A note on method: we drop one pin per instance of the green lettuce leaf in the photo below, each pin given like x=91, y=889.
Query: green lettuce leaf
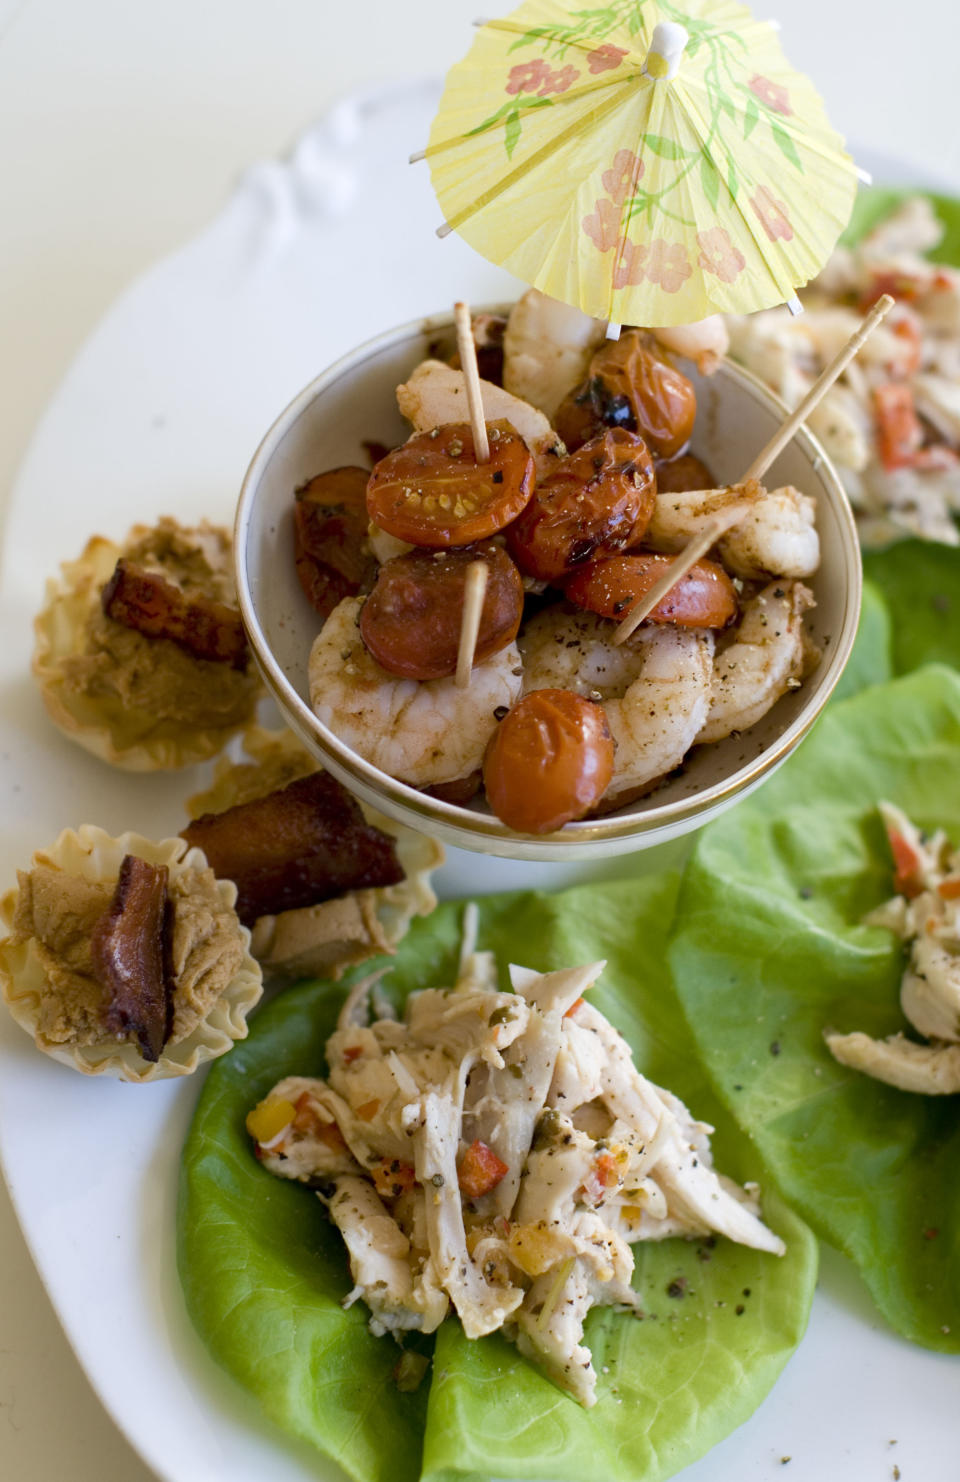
x=920, y=582
x=263, y=1272
x=870, y=661
x=875, y=202
x=768, y=949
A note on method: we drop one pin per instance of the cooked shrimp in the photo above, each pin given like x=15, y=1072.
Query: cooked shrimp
x=422, y=733
x=547, y=348
x=776, y=537
x=705, y=343
x=655, y=688
x=768, y=656
x=436, y=393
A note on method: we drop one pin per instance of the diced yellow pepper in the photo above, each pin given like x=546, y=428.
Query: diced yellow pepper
x=535, y=1248
x=268, y=1119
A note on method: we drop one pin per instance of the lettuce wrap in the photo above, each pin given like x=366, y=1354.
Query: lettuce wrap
x=920, y=583
x=769, y=948
x=264, y=1272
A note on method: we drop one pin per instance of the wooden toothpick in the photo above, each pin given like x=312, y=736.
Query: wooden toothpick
x=731, y=516
x=471, y=375
x=473, y=594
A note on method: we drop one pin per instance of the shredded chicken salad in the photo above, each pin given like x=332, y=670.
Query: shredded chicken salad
x=497, y=1153
x=925, y=913
x=891, y=424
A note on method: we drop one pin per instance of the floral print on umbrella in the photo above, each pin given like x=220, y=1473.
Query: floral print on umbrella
x=661, y=262
x=540, y=78
x=605, y=58
x=774, y=94
x=628, y=268
x=602, y=226
x=667, y=265
x=719, y=256
x=623, y=176
x=773, y=214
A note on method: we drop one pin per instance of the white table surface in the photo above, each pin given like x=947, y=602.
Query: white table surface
x=122, y=128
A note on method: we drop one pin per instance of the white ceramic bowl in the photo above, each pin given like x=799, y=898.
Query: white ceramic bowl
x=354, y=401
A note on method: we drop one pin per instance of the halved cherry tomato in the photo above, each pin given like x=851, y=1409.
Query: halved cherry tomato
x=899, y=434
x=432, y=491
x=479, y=1170
x=598, y=500
x=330, y=530
x=411, y=620
x=628, y=386
x=549, y=761
x=678, y=475
x=704, y=598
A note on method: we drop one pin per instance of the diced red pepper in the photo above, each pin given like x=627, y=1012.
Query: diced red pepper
x=307, y=1120
x=331, y=1137
x=907, y=329
x=368, y=1111
x=949, y=889
x=351, y=1053
x=573, y=1007
x=899, y=434
x=479, y=1170
x=307, y=1117
x=604, y=1175
x=391, y=1178
x=606, y=1170
x=907, y=862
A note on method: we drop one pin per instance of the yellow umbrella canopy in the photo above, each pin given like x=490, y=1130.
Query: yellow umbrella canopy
x=647, y=163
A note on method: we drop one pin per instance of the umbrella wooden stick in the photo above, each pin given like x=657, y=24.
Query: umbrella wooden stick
x=476, y=586
x=731, y=516
x=468, y=364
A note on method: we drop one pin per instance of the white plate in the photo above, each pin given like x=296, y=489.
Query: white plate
x=160, y=413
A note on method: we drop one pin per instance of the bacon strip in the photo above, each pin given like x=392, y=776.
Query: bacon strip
x=296, y=847
x=146, y=601
x=130, y=959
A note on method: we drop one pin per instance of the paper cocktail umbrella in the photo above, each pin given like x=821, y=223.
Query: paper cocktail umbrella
x=648, y=163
